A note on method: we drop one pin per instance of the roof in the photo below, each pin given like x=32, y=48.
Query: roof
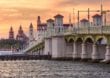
x=96, y=15
x=58, y=16
x=84, y=20
x=50, y=20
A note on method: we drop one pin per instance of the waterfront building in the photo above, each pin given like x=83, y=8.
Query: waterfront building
x=57, y=22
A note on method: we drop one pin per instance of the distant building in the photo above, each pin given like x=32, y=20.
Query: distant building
x=11, y=33
x=31, y=33
x=21, y=35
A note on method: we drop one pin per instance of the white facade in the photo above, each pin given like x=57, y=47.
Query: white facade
x=58, y=20
x=58, y=47
x=48, y=46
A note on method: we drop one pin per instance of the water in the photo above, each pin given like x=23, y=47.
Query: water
x=53, y=69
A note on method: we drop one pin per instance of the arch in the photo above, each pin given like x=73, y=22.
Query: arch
x=89, y=47
x=101, y=42
x=89, y=40
x=100, y=38
x=70, y=39
x=69, y=47
x=79, y=39
x=88, y=37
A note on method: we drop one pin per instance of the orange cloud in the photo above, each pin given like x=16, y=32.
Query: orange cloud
x=16, y=12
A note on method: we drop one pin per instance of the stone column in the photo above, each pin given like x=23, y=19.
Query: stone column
x=48, y=46
x=58, y=47
x=95, y=53
x=75, y=53
x=107, y=55
x=84, y=54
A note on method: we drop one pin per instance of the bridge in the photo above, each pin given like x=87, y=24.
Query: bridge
x=92, y=42
x=86, y=40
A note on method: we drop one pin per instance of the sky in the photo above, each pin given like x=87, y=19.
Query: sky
x=23, y=12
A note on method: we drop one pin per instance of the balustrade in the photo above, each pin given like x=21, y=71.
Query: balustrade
x=57, y=31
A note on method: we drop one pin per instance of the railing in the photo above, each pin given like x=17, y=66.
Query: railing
x=31, y=45
x=57, y=31
x=60, y=31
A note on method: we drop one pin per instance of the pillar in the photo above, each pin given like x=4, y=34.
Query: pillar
x=75, y=53
x=107, y=55
x=95, y=53
x=48, y=46
x=58, y=47
x=84, y=54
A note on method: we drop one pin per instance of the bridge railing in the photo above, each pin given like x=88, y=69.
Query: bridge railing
x=57, y=31
x=60, y=31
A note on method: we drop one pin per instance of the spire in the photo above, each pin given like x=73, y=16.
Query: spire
x=31, y=33
x=11, y=29
x=20, y=30
x=11, y=33
x=38, y=20
x=31, y=26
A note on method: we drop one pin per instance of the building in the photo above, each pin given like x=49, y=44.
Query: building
x=21, y=35
x=57, y=22
x=31, y=33
x=11, y=33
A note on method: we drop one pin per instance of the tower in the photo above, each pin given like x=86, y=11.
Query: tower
x=50, y=23
x=58, y=20
x=38, y=21
x=31, y=33
x=11, y=33
x=84, y=22
x=97, y=20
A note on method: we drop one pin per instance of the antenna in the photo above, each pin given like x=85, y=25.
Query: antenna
x=70, y=19
x=73, y=17
x=101, y=10
x=78, y=18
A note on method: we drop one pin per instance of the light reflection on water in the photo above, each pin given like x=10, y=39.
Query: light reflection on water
x=52, y=69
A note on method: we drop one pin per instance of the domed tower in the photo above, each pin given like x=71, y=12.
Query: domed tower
x=97, y=20
x=31, y=33
x=84, y=22
x=58, y=20
x=11, y=33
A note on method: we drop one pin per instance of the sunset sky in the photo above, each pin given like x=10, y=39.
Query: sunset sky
x=16, y=12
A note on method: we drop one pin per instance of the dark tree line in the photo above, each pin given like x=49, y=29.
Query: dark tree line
x=8, y=44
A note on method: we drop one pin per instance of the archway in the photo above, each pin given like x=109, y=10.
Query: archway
x=69, y=48
x=89, y=47
x=101, y=47
x=78, y=45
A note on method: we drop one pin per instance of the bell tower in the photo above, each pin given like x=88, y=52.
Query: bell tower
x=31, y=33
x=11, y=33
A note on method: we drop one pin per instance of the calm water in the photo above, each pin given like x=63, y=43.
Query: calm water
x=52, y=69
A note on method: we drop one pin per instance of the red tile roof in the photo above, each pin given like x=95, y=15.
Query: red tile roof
x=96, y=15
x=58, y=16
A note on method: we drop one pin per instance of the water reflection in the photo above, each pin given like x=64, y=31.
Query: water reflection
x=52, y=69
